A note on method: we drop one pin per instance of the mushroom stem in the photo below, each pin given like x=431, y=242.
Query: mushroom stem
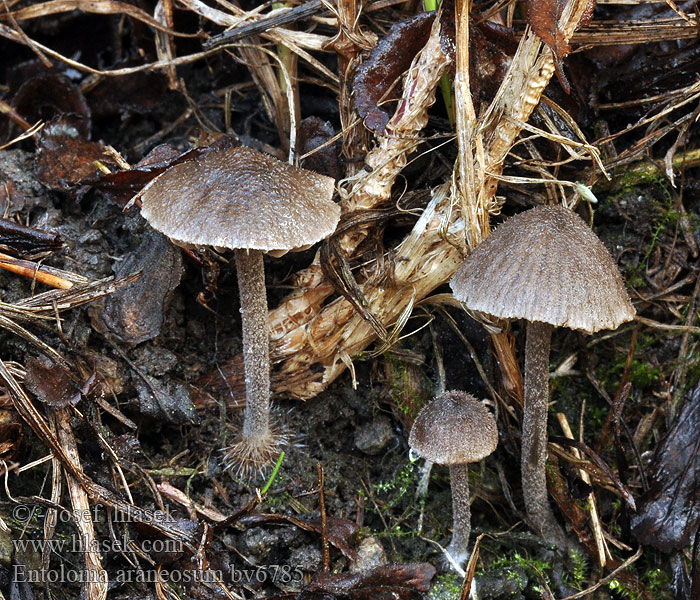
x=256, y=344
x=534, y=440
x=461, y=513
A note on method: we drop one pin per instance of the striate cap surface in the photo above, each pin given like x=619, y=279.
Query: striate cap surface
x=547, y=265
x=243, y=199
x=455, y=428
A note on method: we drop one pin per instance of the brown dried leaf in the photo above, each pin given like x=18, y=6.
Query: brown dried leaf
x=120, y=187
x=51, y=384
x=391, y=582
x=11, y=432
x=64, y=158
x=386, y=63
x=339, y=530
x=50, y=94
x=314, y=133
x=491, y=48
x=544, y=17
x=144, y=92
x=134, y=314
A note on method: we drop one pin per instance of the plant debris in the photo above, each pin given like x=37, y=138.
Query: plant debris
x=121, y=386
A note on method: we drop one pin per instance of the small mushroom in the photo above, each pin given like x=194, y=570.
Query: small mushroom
x=250, y=202
x=455, y=429
x=546, y=266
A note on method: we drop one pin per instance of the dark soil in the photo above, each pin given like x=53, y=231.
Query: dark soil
x=151, y=342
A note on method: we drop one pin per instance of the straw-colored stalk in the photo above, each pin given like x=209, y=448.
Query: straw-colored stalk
x=424, y=260
x=96, y=580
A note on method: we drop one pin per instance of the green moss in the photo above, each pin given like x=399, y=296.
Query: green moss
x=446, y=587
x=533, y=567
x=619, y=588
x=628, y=180
x=654, y=583
x=395, y=490
x=668, y=219
x=633, y=277
x=578, y=573
x=643, y=375
x=658, y=583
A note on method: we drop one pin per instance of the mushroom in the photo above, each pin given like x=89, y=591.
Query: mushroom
x=544, y=265
x=250, y=202
x=455, y=429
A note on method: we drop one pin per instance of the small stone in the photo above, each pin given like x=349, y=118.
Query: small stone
x=369, y=554
x=373, y=437
x=307, y=558
x=258, y=542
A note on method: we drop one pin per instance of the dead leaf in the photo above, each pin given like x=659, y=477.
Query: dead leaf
x=389, y=59
x=50, y=94
x=64, y=157
x=51, y=384
x=545, y=17
x=670, y=511
x=121, y=186
x=391, y=582
x=314, y=135
x=134, y=314
x=339, y=530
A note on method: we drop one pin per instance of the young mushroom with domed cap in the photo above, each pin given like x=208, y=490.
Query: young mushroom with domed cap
x=250, y=202
x=546, y=266
x=455, y=429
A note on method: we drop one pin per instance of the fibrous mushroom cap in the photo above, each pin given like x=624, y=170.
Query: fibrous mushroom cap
x=545, y=264
x=454, y=429
x=240, y=198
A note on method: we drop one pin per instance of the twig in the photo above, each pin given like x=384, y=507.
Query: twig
x=95, y=582
x=282, y=16
x=14, y=116
x=471, y=569
x=36, y=271
x=601, y=546
x=324, y=520
x=667, y=326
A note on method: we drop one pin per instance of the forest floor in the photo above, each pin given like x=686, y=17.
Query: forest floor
x=120, y=394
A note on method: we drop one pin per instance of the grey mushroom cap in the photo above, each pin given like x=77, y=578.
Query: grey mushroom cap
x=241, y=199
x=455, y=428
x=547, y=265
